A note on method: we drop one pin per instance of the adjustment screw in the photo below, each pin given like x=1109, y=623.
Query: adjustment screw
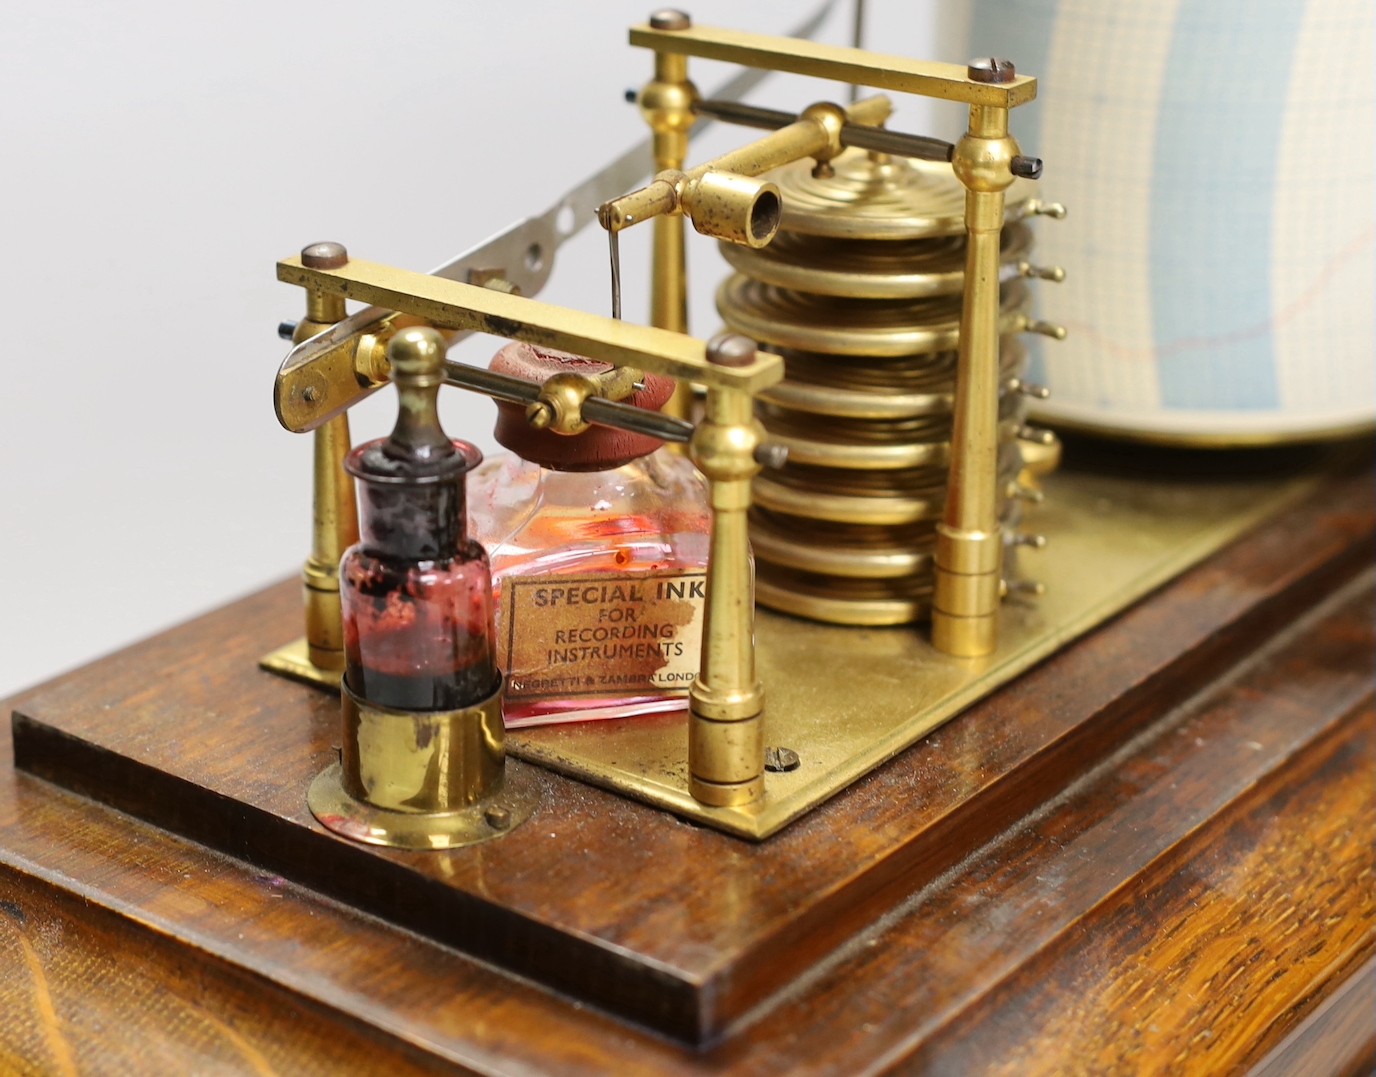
x=990, y=69
x=539, y=414
x=498, y=818
x=324, y=256
x=731, y=350
x=668, y=18
x=1026, y=167
x=632, y=96
x=286, y=330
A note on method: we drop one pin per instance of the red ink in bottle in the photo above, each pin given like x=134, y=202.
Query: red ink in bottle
x=416, y=591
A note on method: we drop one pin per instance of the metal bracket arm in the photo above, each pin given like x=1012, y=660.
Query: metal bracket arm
x=949, y=82
x=448, y=304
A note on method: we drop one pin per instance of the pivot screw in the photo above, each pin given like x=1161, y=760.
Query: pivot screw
x=539, y=414
x=286, y=330
x=1026, y=167
x=324, y=256
x=730, y=350
x=990, y=69
x=670, y=19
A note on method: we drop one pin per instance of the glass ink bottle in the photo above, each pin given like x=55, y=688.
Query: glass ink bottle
x=598, y=543
x=416, y=591
x=422, y=757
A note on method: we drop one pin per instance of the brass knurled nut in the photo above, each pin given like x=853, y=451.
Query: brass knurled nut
x=324, y=626
x=725, y=752
x=961, y=595
x=969, y=552
x=733, y=705
x=965, y=637
x=726, y=796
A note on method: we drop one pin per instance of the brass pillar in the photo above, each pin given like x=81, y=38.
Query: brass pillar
x=726, y=702
x=334, y=523
x=969, y=549
x=667, y=105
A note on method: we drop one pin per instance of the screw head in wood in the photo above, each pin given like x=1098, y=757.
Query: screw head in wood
x=498, y=818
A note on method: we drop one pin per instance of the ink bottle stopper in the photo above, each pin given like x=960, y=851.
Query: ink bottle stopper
x=422, y=759
x=599, y=544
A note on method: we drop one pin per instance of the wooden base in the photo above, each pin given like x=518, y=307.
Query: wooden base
x=1153, y=850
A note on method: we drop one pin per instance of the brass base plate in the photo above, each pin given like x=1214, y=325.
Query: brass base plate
x=847, y=699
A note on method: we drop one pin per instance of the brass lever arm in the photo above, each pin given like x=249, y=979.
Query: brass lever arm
x=721, y=197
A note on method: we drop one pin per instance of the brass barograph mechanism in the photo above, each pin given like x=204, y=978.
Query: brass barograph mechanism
x=735, y=199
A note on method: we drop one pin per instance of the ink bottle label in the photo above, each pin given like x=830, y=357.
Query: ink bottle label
x=602, y=636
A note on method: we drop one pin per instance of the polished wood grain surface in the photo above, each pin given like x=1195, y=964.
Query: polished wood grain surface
x=81, y=995
x=1169, y=865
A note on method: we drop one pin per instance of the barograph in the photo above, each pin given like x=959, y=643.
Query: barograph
x=759, y=644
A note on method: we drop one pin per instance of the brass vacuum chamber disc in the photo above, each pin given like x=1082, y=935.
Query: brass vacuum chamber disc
x=862, y=603
x=865, y=553
x=815, y=450
x=854, y=327
x=853, y=551
x=863, y=269
x=813, y=504
x=858, y=404
x=884, y=389
x=878, y=197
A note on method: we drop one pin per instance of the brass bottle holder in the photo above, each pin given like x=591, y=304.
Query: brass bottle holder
x=416, y=778
x=422, y=779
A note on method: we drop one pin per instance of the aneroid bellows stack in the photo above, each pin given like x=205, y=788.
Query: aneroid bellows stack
x=860, y=292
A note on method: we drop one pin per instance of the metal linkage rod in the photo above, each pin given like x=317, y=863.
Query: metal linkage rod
x=852, y=134
x=595, y=409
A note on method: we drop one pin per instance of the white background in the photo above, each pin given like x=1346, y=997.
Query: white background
x=160, y=156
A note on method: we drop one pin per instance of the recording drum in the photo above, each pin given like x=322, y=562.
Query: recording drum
x=1218, y=164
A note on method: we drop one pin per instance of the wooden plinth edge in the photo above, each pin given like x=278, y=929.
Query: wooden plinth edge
x=811, y=900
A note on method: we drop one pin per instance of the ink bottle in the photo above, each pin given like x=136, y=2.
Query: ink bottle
x=422, y=755
x=598, y=544
x=416, y=591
